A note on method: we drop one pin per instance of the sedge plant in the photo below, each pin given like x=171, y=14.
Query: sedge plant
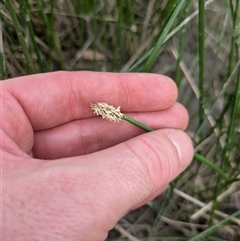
x=196, y=43
x=112, y=113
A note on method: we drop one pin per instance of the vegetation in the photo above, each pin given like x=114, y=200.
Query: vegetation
x=197, y=43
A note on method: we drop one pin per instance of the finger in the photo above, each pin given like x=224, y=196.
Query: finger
x=89, y=135
x=126, y=175
x=55, y=98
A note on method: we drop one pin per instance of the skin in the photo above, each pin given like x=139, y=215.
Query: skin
x=70, y=175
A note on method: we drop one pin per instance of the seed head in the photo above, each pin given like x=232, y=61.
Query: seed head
x=107, y=111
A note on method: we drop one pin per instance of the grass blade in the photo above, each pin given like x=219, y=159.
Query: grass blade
x=211, y=165
x=118, y=31
x=235, y=107
x=201, y=34
x=169, y=36
x=2, y=57
x=224, y=89
x=214, y=227
x=164, y=204
x=21, y=39
x=163, y=35
x=25, y=12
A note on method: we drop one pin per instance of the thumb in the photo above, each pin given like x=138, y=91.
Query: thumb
x=73, y=195
x=131, y=173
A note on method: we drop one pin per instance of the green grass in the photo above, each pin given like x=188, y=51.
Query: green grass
x=197, y=43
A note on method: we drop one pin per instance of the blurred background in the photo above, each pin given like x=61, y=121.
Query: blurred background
x=197, y=43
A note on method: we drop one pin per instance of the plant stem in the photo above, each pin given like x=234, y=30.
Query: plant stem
x=211, y=164
x=235, y=107
x=163, y=35
x=214, y=227
x=118, y=32
x=21, y=39
x=196, y=155
x=2, y=57
x=201, y=58
x=137, y=123
x=26, y=16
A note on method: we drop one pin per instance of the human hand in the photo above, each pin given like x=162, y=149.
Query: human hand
x=70, y=175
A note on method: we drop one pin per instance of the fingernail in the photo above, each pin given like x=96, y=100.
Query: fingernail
x=183, y=144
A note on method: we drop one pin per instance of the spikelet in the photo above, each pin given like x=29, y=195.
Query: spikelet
x=107, y=111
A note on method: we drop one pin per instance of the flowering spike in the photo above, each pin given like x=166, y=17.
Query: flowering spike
x=107, y=111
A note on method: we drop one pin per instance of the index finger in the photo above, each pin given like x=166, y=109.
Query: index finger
x=52, y=99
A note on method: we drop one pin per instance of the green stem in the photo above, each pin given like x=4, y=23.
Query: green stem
x=137, y=123
x=235, y=20
x=196, y=155
x=24, y=46
x=201, y=35
x=95, y=31
x=54, y=36
x=210, y=230
x=165, y=203
x=118, y=32
x=169, y=36
x=210, y=164
x=235, y=107
x=162, y=36
x=26, y=15
x=3, y=73
x=222, y=92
